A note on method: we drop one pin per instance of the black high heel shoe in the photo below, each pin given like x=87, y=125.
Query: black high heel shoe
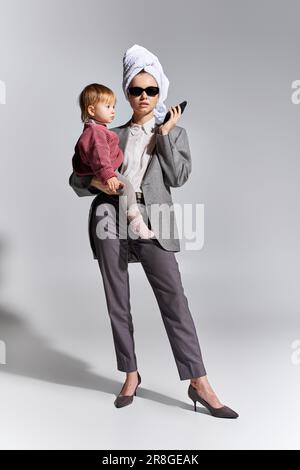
x=124, y=400
x=223, y=412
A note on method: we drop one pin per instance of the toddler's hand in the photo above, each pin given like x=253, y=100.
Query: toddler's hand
x=97, y=183
x=114, y=183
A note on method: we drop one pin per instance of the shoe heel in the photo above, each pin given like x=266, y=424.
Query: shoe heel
x=223, y=412
x=139, y=381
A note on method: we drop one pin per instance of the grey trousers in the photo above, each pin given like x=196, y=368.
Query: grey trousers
x=162, y=271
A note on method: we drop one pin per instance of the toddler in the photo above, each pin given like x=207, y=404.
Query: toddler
x=97, y=152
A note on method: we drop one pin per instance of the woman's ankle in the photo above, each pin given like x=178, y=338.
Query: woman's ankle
x=199, y=380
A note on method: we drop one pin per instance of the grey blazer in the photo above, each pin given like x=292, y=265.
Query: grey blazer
x=169, y=166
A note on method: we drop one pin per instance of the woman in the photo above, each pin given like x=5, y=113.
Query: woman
x=157, y=157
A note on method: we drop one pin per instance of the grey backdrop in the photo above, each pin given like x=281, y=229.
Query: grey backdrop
x=234, y=61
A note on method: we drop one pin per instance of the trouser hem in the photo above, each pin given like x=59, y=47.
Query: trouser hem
x=128, y=367
x=192, y=372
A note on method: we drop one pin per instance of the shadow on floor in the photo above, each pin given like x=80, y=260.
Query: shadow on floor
x=29, y=354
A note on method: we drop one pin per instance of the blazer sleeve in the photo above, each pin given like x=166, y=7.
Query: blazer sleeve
x=174, y=157
x=81, y=185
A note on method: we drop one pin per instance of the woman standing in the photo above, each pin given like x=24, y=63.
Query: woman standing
x=156, y=157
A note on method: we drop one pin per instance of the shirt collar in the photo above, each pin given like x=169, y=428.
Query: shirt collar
x=148, y=126
x=93, y=121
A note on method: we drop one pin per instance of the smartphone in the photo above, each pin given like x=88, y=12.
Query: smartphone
x=168, y=115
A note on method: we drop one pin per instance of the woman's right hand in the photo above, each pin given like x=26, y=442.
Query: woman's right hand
x=96, y=183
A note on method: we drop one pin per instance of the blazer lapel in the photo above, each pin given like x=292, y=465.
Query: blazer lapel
x=123, y=137
x=153, y=156
x=123, y=134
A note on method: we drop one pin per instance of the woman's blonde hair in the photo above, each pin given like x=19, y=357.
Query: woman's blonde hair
x=91, y=95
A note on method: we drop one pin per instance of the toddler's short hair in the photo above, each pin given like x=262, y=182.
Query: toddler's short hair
x=91, y=95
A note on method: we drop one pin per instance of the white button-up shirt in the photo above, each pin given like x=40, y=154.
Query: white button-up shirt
x=138, y=150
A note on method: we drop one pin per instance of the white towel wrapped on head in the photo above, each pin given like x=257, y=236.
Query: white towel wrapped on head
x=137, y=58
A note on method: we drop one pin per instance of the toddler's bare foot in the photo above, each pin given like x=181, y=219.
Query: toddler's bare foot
x=139, y=227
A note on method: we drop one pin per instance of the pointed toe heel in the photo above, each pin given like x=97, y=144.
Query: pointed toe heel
x=223, y=412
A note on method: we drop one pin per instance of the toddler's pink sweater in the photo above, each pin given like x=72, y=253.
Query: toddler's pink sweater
x=97, y=152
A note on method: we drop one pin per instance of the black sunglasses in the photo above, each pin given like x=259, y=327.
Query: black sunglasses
x=137, y=90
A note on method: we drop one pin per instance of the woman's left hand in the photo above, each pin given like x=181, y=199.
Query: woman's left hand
x=175, y=115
